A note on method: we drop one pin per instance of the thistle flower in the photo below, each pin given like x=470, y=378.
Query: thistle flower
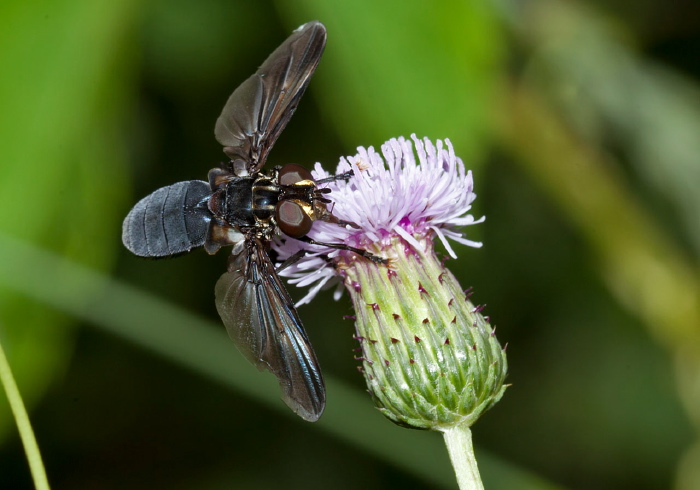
x=429, y=357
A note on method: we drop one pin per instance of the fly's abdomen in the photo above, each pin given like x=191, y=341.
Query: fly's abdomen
x=170, y=221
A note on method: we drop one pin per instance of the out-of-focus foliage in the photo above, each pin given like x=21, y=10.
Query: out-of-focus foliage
x=581, y=120
x=64, y=84
x=614, y=96
x=386, y=53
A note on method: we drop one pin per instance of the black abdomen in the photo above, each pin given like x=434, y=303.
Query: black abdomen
x=170, y=221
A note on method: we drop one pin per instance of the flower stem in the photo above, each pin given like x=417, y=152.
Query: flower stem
x=31, y=448
x=458, y=440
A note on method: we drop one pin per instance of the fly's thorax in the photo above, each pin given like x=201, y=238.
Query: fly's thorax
x=265, y=194
x=287, y=199
x=232, y=202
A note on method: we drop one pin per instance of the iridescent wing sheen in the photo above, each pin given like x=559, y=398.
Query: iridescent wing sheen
x=259, y=109
x=261, y=319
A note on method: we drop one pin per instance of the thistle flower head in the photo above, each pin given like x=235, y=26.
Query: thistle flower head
x=429, y=357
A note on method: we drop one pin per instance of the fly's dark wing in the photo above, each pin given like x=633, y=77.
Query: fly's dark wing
x=259, y=109
x=170, y=221
x=261, y=319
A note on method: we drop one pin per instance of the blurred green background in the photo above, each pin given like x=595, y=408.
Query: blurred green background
x=581, y=121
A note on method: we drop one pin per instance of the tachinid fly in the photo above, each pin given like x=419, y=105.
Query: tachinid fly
x=246, y=208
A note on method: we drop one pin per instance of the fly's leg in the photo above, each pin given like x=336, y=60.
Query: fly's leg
x=340, y=246
x=334, y=178
x=291, y=260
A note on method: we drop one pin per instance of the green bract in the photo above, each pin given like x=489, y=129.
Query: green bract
x=430, y=358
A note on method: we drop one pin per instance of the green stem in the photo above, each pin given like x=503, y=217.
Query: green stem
x=31, y=448
x=458, y=440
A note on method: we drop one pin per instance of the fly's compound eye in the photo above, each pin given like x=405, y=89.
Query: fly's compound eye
x=292, y=219
x=292, y=173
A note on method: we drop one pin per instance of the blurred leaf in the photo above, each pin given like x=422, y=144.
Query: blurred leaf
x=643, y=269
x=606, y=88
x=188, y=46
x=617, y=102
x=61, y=174
x=435, y=72
x=641, y=265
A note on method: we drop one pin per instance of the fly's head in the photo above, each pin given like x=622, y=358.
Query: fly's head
x=301, y=201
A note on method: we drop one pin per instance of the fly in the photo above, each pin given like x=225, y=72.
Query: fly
x=241, y=205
